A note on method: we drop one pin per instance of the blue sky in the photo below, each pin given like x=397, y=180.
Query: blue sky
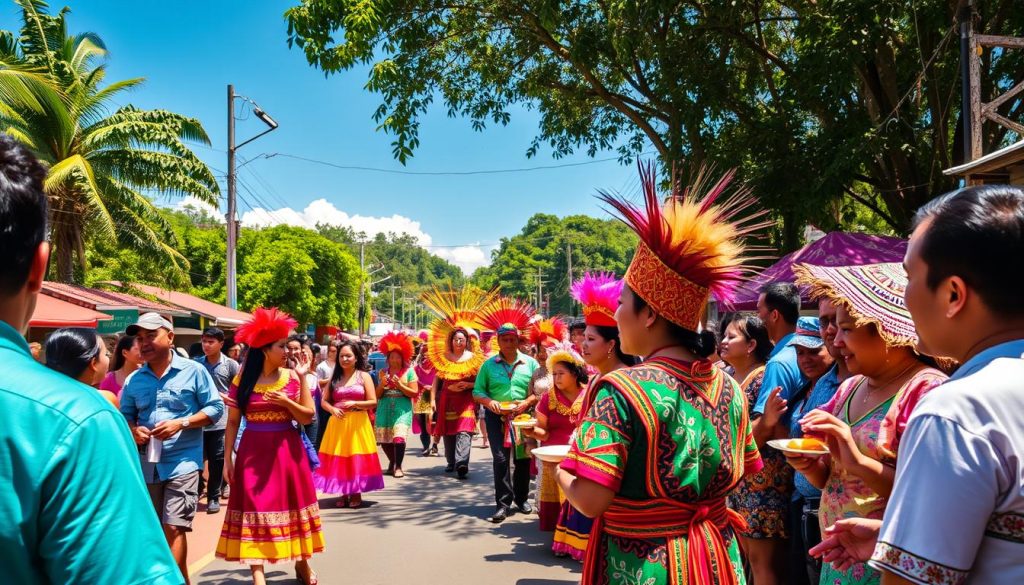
x=190, y=50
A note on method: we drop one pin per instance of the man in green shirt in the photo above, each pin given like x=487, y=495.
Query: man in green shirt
x=74, y=508
x=505, y=377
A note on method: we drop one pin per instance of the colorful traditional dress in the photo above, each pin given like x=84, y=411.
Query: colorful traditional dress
x=348, y=453
x=572, y=530
x=456, y=411
x=877, y=435
x=558, y=410
x=394, y=409
x=272, y=514
x=762, y=498
x=424, y=404
x=672, y=439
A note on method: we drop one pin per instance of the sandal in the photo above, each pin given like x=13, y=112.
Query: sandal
x=342, y=502
x=313, y=578
x=399, y=474
x=357, y=502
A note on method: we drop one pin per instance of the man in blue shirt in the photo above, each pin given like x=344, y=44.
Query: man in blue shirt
x=74, y=507
x=779, y=308
x=170, y=399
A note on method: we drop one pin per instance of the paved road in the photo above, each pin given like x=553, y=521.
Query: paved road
x=427, y=528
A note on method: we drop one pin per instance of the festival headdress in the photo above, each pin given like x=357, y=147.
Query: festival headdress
x=551, y=330
x=265, y=327
x=691, y=246
x=599, y=296
x=563, y=352
x=507, y=315
x=456, y=310
x=397, y=341
x=871, y=293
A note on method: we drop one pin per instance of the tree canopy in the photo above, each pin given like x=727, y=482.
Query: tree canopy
x=541, y=251
x=825, y=105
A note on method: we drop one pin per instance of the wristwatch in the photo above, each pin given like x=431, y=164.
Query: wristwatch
x=185, y=422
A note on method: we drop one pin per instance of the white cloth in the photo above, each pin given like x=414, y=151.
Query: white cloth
x=324, y=370
x=956, y=513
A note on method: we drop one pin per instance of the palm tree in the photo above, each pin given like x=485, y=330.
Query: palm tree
x=103, y=168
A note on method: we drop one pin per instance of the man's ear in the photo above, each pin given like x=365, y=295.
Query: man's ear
x=956, y=293
x=40, y=264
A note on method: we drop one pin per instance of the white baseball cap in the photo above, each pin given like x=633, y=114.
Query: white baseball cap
x=149, y=322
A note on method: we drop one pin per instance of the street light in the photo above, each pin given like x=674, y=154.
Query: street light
x=232, y=223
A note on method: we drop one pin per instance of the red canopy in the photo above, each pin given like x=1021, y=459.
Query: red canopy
x=835, y=249
x=52, y=312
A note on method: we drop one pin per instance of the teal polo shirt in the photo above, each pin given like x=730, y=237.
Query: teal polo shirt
x=73, y=508
x=501, y=381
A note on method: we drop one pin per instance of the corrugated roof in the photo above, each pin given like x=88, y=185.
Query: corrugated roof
x=100, y=299
x=53, y=312
x=224, y=316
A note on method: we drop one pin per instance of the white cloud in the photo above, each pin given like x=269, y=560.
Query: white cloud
x=321, y=211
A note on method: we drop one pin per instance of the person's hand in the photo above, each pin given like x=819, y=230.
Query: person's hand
x=277, y=398
x=847, y=542
x=141, y=435
x=347, y=405
x=521, y=407
x=495, y=407
x=301, y=364
x=801, y=463
x=229, y=468
x=836, y=435
x=167, y=428
x=335, y=411
x=774, y=407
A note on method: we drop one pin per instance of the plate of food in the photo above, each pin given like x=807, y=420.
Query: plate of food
x=524, y=421
x=551, y=453
x=802, y=446
x=507, y=406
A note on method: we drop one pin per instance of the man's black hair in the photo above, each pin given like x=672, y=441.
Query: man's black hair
x=783, y=297
x=577, y=325
x=214, y=332
x=23, y=212
x=977, y=233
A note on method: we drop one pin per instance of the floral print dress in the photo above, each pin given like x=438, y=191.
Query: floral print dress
x=877, y=435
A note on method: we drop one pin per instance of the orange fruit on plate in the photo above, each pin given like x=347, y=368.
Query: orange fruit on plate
x=806, y=444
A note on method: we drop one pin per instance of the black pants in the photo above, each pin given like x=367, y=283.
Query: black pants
x=213, y=454
x=805, y=533
x=321, y=420
x=457, y=448
x=424, y=419
x=510, y=486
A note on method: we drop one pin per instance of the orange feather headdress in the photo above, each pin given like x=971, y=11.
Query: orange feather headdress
x=265, y=327
x=456, y=310
x=691, y=246
x=551, y=330
x=397, y=341
x=507, y=315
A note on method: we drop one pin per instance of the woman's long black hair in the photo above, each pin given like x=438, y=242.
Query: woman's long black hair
x=124, y=344
x=69, y=350
x=361, y=363
x=252, y=369
x=609, y=333
x=701, y=344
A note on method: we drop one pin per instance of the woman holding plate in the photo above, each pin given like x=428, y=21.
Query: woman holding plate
x=556, y=415
x=863, y=423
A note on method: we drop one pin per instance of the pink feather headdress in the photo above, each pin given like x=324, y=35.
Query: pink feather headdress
x=599, y=296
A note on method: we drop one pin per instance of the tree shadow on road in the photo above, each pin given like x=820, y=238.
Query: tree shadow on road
x=242, y=576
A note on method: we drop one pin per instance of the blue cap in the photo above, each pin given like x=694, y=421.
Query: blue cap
x=808, y=333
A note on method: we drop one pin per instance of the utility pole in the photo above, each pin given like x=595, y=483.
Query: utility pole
x=540, y=290
x=232, y=225
x=362, y=286
x=568, y=257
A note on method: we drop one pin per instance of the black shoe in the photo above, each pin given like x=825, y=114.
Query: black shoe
x=525, y=508
x=213, y=507
x=500, y=516
x=463, y=472
x=449, y=468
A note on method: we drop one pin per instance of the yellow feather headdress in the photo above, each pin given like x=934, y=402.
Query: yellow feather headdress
x=456, y=310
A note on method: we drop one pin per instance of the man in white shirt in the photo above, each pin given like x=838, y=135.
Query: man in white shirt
x=324, y=371
x=956, y=512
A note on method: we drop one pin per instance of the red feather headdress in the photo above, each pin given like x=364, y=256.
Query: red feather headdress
x=265, y=327
x=397, y=341
x=507, y=313
x=599, y=296
x=691, y=246
x=551, y=330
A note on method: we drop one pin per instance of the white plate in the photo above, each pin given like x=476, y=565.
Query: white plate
x=783, y=445
x=503, y=408
x=551, y=453
x=525, y=424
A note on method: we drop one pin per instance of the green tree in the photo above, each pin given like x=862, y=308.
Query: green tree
x=103, y=168
x=541, y=251
x=296, y=269
x=819, y=102
x=411, y=268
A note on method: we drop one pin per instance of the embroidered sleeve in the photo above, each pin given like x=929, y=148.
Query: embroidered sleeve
x=602, y=440
x=941, y=467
